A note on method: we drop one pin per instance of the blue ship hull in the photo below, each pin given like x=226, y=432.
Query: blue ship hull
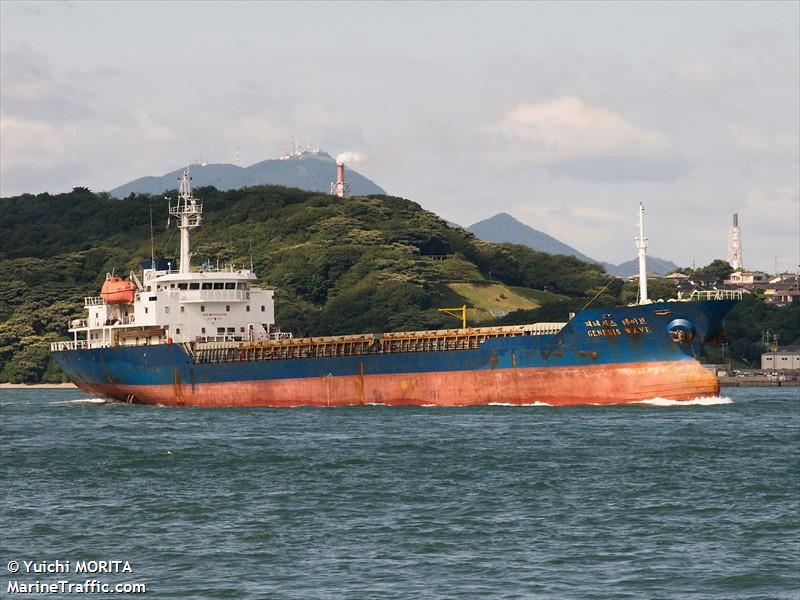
x=602, y=355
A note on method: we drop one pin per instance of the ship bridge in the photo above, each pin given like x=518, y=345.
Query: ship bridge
x=177, y=306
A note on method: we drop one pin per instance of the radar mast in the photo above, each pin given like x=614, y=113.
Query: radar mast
x=188, y=211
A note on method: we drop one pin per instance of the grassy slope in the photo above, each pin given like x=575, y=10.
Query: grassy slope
x=490, y=300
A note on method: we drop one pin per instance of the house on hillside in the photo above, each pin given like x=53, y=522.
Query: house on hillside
x=699, y=280
x=650, y=276
x=781, y=294
x=747, y=279
x=784, y=278
x=694, y=283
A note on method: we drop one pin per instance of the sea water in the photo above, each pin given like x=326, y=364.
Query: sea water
x=653, y=500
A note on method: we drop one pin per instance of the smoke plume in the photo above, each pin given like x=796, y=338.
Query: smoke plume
x=350, y=158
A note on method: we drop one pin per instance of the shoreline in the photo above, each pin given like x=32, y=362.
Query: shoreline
x=756, y=382
x=33, y=386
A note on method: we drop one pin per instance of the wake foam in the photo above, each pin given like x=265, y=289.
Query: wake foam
x=526, y=405
x=89, y=400
x=702, y=401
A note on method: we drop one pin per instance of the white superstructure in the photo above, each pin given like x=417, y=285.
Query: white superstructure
x=178, y=305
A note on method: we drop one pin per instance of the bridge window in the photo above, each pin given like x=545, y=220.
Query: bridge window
x=231, y=329
x=194, y=286
x=181, y=286
x=230, y=286
x=220, y=331
x=206, y=286
x=219, y=286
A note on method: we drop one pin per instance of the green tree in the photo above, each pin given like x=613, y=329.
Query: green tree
x=718, y=269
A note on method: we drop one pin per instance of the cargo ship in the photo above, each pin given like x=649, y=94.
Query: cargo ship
x=207, y=337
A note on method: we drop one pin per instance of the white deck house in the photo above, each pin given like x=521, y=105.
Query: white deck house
x=176, y=306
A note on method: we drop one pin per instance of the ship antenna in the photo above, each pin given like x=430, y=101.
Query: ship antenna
x=152, y=244
x=641, y=246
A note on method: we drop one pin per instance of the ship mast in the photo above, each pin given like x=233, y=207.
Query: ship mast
x=641, y=246
x=189, y=212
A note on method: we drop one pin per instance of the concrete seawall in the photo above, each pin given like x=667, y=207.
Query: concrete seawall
x=758, y=382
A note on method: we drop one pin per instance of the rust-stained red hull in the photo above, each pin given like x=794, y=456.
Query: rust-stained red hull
x=587, y=384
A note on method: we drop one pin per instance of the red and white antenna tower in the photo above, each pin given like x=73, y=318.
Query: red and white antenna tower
x=735, y=244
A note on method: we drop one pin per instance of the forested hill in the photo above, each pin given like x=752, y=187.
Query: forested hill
x=351, y=265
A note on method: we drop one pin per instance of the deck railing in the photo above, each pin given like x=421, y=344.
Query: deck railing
x=66, y=346
x=366, y=344
x=716, y=295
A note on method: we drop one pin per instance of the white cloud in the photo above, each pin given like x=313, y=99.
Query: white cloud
x=30, y=88
x=584, y=141
x=767, y=145
x=568, y=128
x=34, y=143
x=693, y=71
x=773, y=212
x=313, y=117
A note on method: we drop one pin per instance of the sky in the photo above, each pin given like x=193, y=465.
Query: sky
x=565, y=115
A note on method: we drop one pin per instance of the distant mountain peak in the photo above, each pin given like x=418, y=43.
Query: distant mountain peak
x=503, y=227
x=308, y=170
x=656, y=265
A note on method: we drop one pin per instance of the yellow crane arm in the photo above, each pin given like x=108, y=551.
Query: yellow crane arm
x=458, y=313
